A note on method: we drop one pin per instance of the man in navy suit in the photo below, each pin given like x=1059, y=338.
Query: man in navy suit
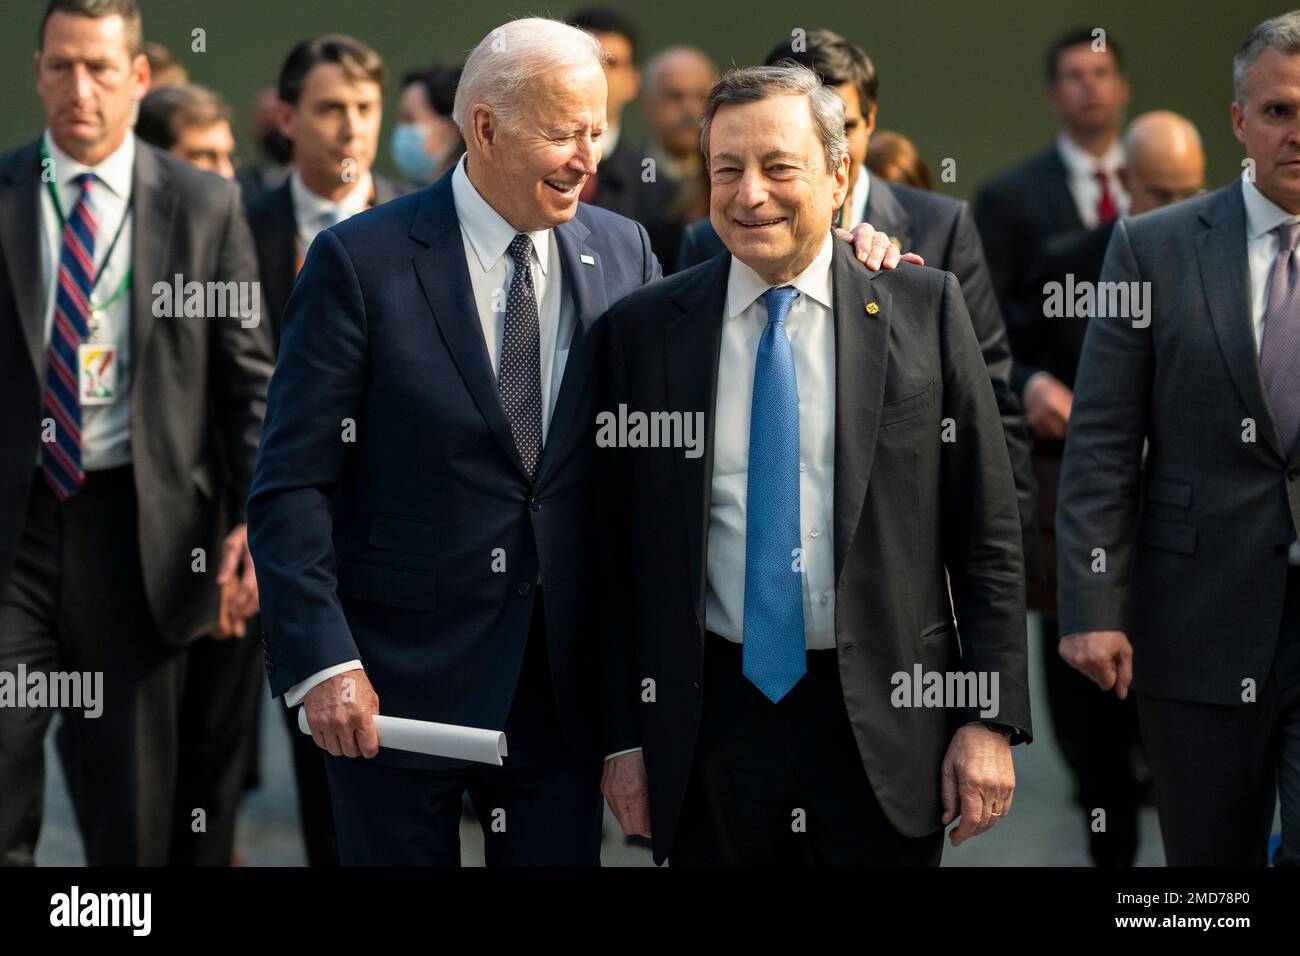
x=420, y=510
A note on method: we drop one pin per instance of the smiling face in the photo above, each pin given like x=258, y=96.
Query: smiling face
x=89, y=83
x=1268, y=125
x=772, y=198
x=532, y=171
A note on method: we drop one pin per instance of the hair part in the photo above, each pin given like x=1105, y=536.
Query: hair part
x=359, y=62
x=98, y=10
x=1281, y=33
x=500, y=67
x=753, y=84
x=170, y=110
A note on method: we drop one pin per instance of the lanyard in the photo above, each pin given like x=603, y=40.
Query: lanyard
x=63, y=224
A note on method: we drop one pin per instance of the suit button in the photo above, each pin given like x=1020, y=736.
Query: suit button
x=524, y=589
x=535, y=504
x=695, y=686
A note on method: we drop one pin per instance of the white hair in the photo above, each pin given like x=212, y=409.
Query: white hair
x=498, y=70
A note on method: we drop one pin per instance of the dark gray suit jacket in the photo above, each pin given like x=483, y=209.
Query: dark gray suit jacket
x=1196, y=540
x=198, y=385
x=907, y=506
x=940, y=229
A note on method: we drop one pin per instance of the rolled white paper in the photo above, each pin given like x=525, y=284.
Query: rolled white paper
x=436, y=740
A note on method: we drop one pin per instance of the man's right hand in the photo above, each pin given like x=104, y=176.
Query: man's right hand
x=1106, y=657
x=340, y=715
x=1047, y=406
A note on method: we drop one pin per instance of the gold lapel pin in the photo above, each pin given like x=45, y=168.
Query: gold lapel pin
x=871, y=308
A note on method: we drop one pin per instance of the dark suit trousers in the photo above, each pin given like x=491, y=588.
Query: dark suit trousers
x=1218, y=769
x=315, y=817
x=75, y=601
x=543, y=807
x=225, y=681
x=783, y=784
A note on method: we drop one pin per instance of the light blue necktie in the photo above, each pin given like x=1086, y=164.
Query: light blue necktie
x=774, y=656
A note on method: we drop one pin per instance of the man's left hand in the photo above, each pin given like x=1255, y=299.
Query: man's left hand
x=978, y=781
x=874, y=249
x=238, y=583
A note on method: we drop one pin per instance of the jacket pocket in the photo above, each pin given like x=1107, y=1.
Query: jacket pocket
x=937, y=632
x=387, y=585
x=401, y=533
x=910, y=407
x=1166, y=535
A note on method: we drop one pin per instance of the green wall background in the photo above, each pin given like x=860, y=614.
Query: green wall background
x=963, y=78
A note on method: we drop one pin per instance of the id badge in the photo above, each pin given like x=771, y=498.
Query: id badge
x=97, y=373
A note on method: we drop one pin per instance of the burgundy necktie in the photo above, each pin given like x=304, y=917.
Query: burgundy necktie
x=1106, y=209
x=1279, y=353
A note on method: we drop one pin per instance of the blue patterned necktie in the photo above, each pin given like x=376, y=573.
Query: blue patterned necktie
x=774, y=655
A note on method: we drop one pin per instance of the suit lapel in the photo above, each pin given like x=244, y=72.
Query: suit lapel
x=444, y=276
x=861, y=361
x=153, y=204
x=1225, y=277
x=20, y=238
x=583, y=277
x=692, y=342
x=281, y=271
x=1056, y=193
x=886, y=214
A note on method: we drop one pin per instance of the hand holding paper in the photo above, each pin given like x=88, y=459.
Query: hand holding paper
x=437, y=740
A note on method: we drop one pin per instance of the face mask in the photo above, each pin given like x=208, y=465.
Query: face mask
x=409, y=155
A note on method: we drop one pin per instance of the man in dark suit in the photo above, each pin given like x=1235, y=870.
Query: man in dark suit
x=131, y=421
x=322, y=189
x=1073, y=184
x=421, y=503
x=1098, y=734
x=936, y=227
x=1180, y=487
x=770, y=578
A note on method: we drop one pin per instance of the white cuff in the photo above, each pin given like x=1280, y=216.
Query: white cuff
x=295, y=694
x=630, y=750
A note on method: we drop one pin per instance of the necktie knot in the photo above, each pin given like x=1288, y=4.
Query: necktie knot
x=521, y=247
x=1288, y=234
x=778, y=302
x=84, y=180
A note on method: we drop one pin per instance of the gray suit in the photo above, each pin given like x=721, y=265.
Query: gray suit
x=107, y=580
x=1195, y=541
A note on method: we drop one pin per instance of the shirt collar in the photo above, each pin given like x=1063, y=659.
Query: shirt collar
x=1262, y=214
x=308, y=207
x=489, y=234
x=857, y=202
x=1082, y=163
x=114, y=171
x=744, y=285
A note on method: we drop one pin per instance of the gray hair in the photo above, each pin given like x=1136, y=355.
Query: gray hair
x=1282, y=33
x=754, y=83
x=501, y=66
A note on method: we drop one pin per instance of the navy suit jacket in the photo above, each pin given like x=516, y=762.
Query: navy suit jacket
x=391, y=518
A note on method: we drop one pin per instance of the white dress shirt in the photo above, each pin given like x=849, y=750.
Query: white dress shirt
x=811, y=328
x=1262, y=217
x=855, y=206
x=1081, y=169
x=313, y=213
x=105, y=429
x=487, y=237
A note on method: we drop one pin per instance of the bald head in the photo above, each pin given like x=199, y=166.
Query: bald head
x=674, y=87
x=1163, y=160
